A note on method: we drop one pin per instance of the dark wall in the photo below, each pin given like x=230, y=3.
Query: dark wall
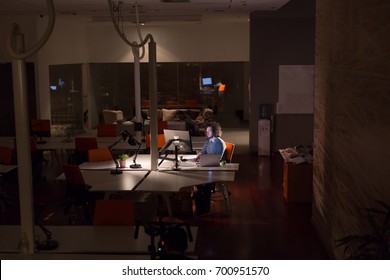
x=7, y=113
x=284, y=37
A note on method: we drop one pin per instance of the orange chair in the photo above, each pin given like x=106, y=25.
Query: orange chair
x=99, y=154
x=171, y=103
x=106, y=130
x=114, y=212
x=6, y=155
x=229, y=151
x=82, y=145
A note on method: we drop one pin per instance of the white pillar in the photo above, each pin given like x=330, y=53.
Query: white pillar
x=23, y=146
x=153, y=105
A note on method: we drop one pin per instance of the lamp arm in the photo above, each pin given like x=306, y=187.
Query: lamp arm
x=45, y=231
x=112, y=153
x=137, y=152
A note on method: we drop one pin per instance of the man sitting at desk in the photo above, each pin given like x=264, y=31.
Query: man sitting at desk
x=214, y=143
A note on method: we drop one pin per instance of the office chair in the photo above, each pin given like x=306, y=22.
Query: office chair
x=99, y=154
x=228, y=156
x=191, y=103
x=145, y=103
x=114, y=212
x=82, y=145
x=6, y=155
x=107, y=130
x=229, y=151
x=40, y=128
x=171, y=103
x=77, y=194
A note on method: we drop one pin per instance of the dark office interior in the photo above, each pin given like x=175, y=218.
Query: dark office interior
x=347, y=42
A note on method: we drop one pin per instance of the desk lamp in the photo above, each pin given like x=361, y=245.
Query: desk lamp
x=48, y=244
x=124, y=135
x=132, y=141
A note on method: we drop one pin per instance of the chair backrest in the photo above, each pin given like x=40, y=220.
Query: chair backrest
x=114, y=212
x=6, y=154
x=106, y=130
x=39, y=126
x=160, y=140
x=229, y=151
x=171, y=103
x=99, y=154
x=191, y=103
x=85, y=143
x=73, y=174
x=145, y=103
x=161, y=125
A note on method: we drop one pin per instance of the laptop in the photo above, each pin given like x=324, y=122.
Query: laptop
x=209, y=160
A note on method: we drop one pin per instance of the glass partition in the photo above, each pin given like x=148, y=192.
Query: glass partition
x=112, y=86
x=67, y=116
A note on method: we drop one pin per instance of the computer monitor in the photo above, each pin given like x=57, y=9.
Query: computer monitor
x=183, y=143
x=207, y=81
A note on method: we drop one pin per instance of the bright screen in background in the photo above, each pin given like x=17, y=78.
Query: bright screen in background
x=207, y=81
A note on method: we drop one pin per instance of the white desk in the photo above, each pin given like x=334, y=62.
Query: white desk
x=173, y=181
x=7, y=168
x=104, y=181
x=163, y=181
x=89, y=239
x=144, y=160
x=64, y=143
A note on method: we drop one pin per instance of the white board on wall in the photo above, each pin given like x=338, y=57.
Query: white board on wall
x=296, y=89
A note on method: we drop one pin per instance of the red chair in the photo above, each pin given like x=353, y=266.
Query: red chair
x=82, y=145
x=40, y=128
x=76, y=193
x=114, y=212
x=6, y=155
x=107, y=130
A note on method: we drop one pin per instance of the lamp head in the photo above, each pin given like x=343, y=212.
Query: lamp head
x=132, y=141
x=124, y=134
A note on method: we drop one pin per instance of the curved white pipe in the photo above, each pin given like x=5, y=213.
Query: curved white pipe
x=152, y=83
x=134, y=45
x=40, y=43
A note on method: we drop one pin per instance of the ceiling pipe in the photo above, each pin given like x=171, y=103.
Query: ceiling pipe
x=152, y=83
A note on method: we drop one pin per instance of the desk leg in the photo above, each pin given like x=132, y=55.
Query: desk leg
x=167, y=201
x=226, y=197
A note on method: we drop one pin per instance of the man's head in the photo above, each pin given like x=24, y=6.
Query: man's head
x=213, y=130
